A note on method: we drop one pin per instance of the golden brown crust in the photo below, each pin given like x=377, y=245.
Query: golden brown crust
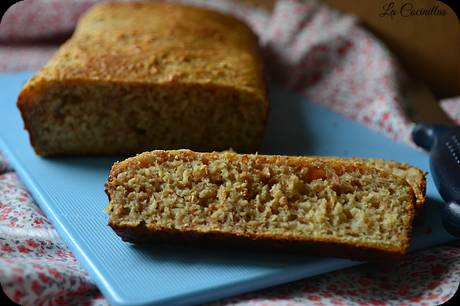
x=212, y=240
x=276, y=203
x=158, y=43
x=126, y=62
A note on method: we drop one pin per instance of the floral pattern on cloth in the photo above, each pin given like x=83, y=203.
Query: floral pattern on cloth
x=369, y=284
x=36, y=267
x=310, y=48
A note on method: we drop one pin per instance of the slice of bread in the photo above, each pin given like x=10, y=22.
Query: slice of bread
x=261, y=203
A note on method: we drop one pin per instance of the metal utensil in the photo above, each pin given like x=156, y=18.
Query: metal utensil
x=436, y=133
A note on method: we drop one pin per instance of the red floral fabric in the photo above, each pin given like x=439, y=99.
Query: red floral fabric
x=36, y=267
x=314, y=50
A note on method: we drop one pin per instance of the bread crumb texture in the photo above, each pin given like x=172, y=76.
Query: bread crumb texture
x=267, y=198
x=413, y=175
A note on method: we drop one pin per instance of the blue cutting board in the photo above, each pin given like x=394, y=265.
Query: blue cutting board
x=70, y=191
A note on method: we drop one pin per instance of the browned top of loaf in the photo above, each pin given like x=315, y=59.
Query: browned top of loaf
x=159, y=43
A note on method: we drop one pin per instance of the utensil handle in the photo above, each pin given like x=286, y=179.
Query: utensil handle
x=451, y=218
x=443, y=142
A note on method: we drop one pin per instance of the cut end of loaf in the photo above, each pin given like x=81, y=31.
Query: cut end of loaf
x=257, y=202
x=105, y=118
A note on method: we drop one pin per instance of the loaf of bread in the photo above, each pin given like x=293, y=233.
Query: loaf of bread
x=142, y=76
x=261, y=203
x=413, y=175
